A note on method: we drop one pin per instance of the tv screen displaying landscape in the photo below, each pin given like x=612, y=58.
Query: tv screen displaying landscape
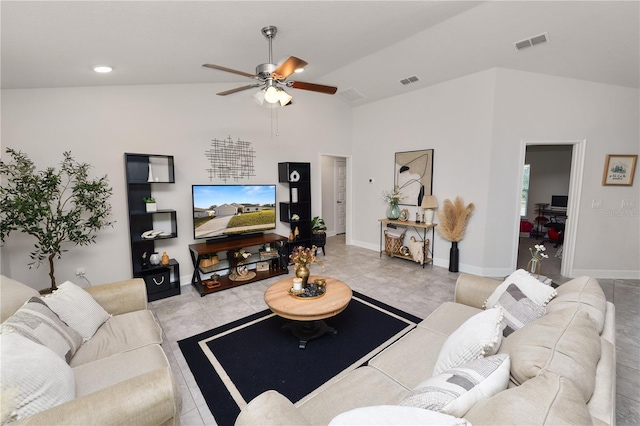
x=225, y=210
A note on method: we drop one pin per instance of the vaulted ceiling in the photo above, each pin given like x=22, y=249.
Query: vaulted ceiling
x=363, y=47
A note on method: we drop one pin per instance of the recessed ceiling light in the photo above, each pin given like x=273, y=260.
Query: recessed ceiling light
x=102, y=69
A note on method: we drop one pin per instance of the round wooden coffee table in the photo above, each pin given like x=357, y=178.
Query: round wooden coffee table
x=307, y=314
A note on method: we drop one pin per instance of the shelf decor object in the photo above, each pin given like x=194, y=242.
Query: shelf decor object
x=430, y=205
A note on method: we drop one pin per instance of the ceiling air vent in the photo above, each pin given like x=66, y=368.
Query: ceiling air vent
x=409, y=80
x=351, y=95
x=533, y=41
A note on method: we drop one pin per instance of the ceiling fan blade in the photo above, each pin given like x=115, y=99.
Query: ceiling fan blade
x=218, y=67
x=288, y=67
x=238, y=89
x=329, y=90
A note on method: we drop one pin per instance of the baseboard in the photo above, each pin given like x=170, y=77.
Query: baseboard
x=607, y=273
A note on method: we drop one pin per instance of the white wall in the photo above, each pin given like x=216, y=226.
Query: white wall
x=537, y=107
x=476, y=124
x=453, y=118
x=99, y=124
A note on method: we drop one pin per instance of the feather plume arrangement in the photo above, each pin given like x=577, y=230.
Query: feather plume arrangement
x=453, y=219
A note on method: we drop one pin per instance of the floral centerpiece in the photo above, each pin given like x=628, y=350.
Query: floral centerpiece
x=302, y=258
x=393, y=198
x=535, y=264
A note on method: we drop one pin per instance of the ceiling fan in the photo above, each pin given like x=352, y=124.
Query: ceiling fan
x=272, y=77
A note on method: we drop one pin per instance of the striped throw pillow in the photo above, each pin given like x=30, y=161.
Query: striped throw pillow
x=455, y=391
x=35, y=321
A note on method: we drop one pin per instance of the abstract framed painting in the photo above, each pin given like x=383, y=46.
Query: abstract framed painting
x=413, y=175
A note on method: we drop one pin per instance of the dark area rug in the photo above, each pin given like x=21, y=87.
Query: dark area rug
x=235, y=363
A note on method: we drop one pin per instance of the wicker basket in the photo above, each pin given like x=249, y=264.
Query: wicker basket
x=392, y=242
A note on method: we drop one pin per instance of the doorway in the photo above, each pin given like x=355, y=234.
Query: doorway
x=556, y=169
x=334, y=193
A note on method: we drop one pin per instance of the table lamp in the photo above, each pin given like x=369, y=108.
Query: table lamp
x=429, y=204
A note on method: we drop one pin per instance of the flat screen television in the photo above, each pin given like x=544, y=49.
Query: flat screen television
x=559, y=201
x=231, y=210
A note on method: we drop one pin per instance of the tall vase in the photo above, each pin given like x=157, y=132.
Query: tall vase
x=303, y=272
x=393, y=211
x=534, y=266
x=454, y=257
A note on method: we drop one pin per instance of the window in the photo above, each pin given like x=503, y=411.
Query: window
x=525, y=190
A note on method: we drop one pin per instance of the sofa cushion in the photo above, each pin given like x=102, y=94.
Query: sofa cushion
x=394, y=415
x=456, y=390
x=14, y=294
x=548, y=399
x=564, y=342
x=538, y=292
x=111, y=370
x=583, y=293
x=77, y=308
x=121, y=333
x=518, y=309
x=35, y=321
x=361, y=387
x=411, y=359
x=41, y=378
x=477, y=337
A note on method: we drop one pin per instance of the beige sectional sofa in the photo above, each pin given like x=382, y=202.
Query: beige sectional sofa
x=562, y=366
x=121, y=374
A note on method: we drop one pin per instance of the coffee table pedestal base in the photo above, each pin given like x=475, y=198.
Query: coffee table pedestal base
x=308, y=330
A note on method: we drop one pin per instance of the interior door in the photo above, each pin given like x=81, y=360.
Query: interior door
x=341, y=195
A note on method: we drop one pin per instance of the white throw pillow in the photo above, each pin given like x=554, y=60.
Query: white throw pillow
x=394, y=415
x=519, y=310
x=37, y=322
x=41, y=378
x=77, y=308
x=477, y=337
x=538, y=292
x=456, y=390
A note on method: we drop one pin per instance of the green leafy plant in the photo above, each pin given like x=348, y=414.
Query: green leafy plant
x=149, y=200
x=318, y=225
x=54, y=206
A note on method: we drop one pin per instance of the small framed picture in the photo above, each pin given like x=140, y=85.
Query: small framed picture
x=404, y=215
x=619, y=170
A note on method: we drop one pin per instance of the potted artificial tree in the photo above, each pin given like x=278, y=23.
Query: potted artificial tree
x=54, y=206
x=319, y=232
x=453, y=223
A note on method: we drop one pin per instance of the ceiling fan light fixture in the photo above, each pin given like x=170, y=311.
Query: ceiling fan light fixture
x=283, y=97
x=271, y=95
x=299, y=70
x=259, y=97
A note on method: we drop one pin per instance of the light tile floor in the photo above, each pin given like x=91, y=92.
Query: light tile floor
x=396, y=282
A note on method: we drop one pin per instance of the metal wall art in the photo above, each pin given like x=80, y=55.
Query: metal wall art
x=414, y=175
x=230, y=160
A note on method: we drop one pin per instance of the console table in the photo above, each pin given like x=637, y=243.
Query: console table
x=425, y=227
